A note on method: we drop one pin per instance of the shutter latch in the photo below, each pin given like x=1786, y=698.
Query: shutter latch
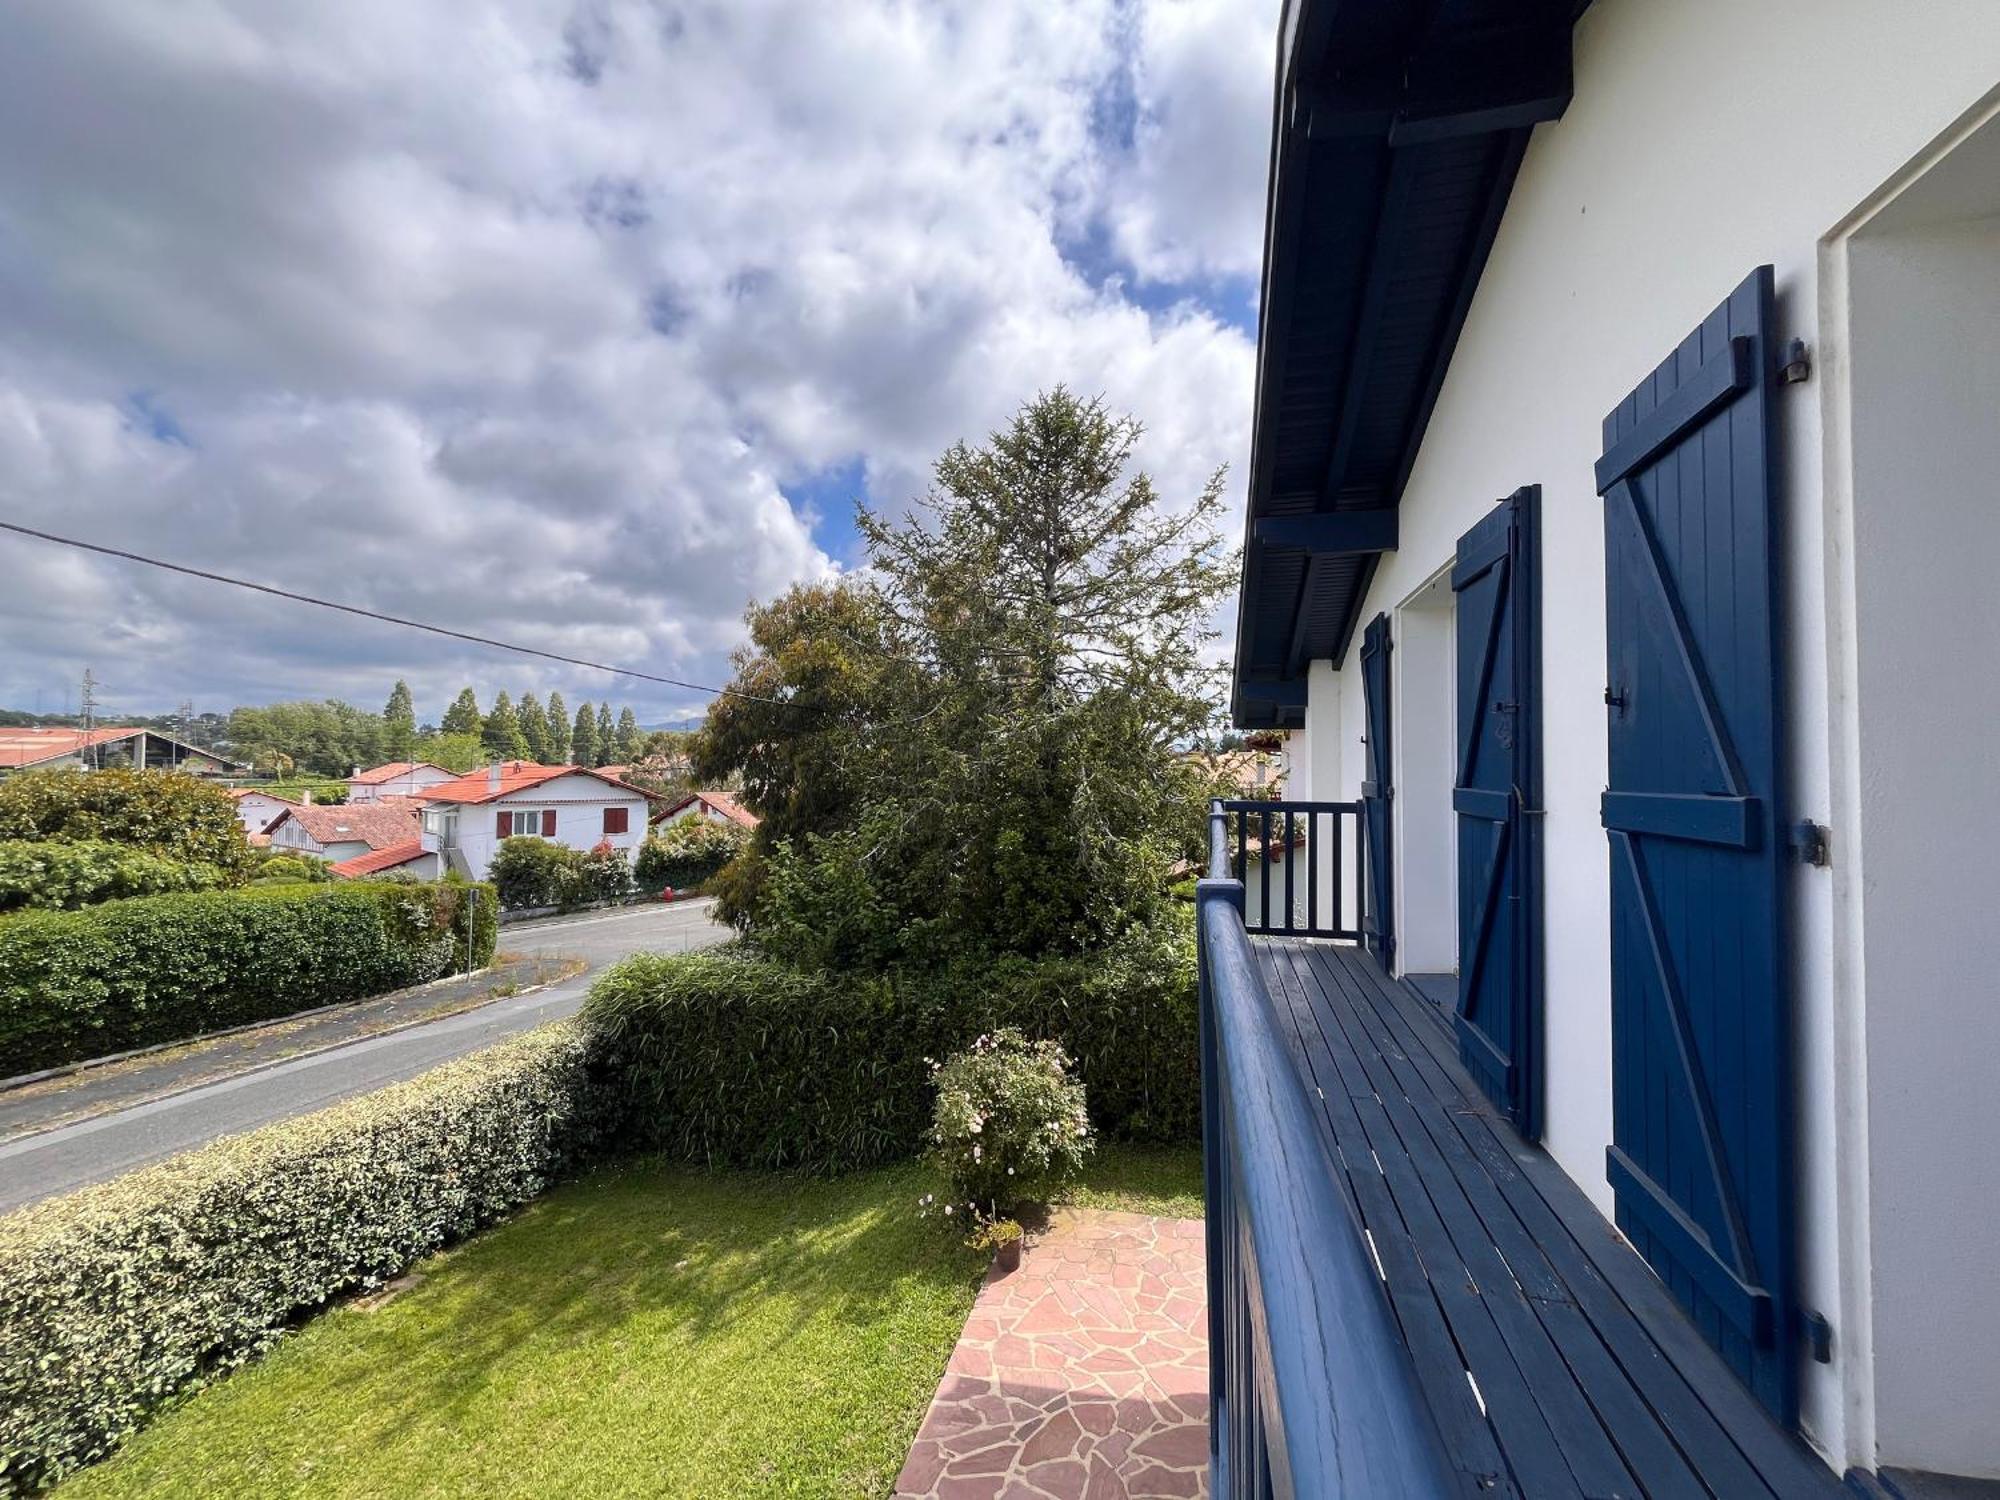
x=1810, y=844
x=1797, y=368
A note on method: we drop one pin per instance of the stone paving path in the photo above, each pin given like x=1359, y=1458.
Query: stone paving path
x=1081, y=1376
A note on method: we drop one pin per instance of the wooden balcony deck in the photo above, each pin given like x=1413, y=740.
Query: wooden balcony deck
x=1554, y=1361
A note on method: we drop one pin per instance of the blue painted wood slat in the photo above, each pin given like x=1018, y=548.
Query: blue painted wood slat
x=1701, y=1156
x=1497, y=797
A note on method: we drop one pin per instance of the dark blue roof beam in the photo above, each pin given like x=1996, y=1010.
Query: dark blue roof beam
x=1277, y=692
x=1476, y=87
x=1338, y=533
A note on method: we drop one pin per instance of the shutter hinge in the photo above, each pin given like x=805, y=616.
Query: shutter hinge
x=1819, y=1337
x=1811, y=844
x=1797, y=366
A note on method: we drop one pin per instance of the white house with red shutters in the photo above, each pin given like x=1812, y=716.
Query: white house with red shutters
x=466, y=819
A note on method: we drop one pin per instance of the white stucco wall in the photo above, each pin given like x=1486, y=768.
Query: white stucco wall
x=256, y=811
x=1706, y=137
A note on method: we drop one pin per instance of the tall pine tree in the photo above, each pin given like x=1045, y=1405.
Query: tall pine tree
x=583, y=738
x=556, y=719
x=399, y=724
x=534, y=728
x=631, y=743
x=501, y=733
x=463, y=717
x=607, y=737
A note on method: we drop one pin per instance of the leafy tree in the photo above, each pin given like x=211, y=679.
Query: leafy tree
x=399, y=724
x=455, y=752
x=501, y=734
x=556, y=722
x=813, y=687
x=327, y=738
x=534, y=728
x=463, y=717
x=607, y=736
x=631, y=743
x=981, y=742
x=583, y=737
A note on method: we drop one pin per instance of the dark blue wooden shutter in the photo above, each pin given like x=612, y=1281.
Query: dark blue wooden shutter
x=1700, y=1039
x=1378, y=928
x=1497, y=795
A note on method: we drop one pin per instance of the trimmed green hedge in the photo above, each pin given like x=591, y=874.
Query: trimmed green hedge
x=115, y=1298
x=54, y=876
x=128, y=974
x=731, y=1059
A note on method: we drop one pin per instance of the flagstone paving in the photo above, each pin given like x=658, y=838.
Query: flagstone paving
x=1083, y=1375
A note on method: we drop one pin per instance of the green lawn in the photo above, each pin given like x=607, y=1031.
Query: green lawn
x=645, y=1331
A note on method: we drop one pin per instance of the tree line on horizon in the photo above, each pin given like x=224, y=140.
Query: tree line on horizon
x=331, y=737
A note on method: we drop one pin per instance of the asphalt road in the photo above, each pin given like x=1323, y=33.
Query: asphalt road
x=57, y=1161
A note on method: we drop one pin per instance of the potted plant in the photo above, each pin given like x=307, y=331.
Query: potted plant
x=1004, y=1237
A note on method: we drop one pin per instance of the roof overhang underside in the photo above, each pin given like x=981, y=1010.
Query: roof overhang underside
x=1398, y=128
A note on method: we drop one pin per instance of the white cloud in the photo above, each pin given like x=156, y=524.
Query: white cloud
x=521, y=316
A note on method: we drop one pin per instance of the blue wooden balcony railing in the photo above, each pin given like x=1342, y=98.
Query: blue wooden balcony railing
x=1313, y=1396
x=1289, y=856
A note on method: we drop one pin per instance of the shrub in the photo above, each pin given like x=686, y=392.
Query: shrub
x=179, y=817
x=735, y=1059
x=161, y=968
x=689, y=853
x=1009, y=1123
x=822, y=906
x=530, y=872
x=290, y=869
x=607, y=873
x=116, y=1297
x=65, y=876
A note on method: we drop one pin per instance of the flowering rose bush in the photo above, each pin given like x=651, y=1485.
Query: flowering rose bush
x=1009, y=1123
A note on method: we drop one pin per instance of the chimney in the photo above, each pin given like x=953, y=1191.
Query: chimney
x=357, y=770
x=306, y=797
x=493, y=777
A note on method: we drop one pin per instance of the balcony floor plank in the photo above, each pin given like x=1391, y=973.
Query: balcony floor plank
x=1497, y=1265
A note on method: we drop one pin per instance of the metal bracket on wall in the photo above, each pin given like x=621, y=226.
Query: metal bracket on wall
x=1797, y=366
x=1819, y=1337
x=1812, y=844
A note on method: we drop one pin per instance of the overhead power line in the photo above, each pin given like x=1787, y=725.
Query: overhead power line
x=370, y=614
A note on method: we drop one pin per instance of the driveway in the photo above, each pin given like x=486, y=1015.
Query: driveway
x=92, y=1150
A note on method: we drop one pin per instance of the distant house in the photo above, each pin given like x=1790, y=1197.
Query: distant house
x=399, y=778
x=1253, y=773
x=39, y=748
x=257, y=810
x=717, y=807
x=465, y=820
x=408, y=857
x=343, y=831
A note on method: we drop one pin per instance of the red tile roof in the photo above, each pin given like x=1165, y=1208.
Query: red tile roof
x=721, y=802
x=515, y=776
x=376, y=775
x=376, y=824
x=377, y=860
